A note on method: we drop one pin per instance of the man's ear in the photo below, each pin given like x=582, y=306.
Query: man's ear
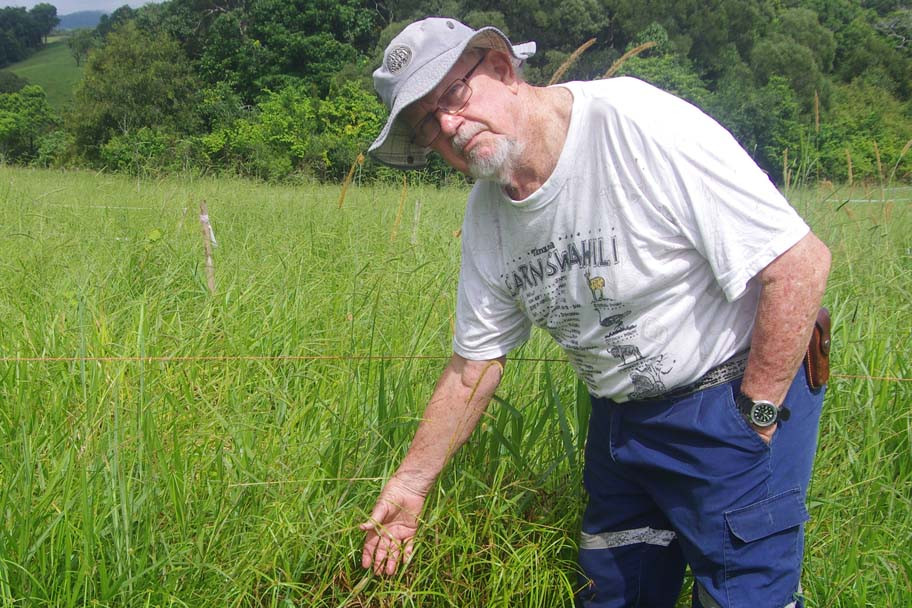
x=502, y=68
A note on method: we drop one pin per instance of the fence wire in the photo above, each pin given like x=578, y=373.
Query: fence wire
x=229, y=358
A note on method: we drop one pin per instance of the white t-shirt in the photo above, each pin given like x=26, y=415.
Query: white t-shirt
x=636, y=254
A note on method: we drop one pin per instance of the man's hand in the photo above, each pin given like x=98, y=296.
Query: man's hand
x=391, y=528
x=460, y=398
x=766, y=433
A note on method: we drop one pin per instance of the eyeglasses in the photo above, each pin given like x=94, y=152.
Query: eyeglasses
x=453, y=100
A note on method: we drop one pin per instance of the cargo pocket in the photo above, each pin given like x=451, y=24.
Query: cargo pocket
x=763, y=550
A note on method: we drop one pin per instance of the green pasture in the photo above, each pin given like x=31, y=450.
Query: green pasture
x=161, y=446
x=54, y=69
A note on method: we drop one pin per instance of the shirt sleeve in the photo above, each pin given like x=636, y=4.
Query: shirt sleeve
x=721, y=201
x=489, y=322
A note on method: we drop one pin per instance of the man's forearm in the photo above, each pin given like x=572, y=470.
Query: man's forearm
x=460, y=398
x=792, y=288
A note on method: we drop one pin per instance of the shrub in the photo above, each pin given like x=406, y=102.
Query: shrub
x=136, y=80
x=25, y=117
x=55, y=149
x=863, y=113
x=292, y=131
x=149, y=151
x=11, y=82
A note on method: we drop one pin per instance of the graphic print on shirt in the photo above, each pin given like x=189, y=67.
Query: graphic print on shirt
x=605, y=306
x=565, y=286
x=627, y=353
x=647, y=378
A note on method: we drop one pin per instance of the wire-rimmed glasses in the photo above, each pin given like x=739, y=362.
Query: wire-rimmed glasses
x=452, y=101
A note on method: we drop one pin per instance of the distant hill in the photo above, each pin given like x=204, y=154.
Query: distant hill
x=75, y=21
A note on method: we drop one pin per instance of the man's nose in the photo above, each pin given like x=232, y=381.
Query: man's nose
x=449, y=123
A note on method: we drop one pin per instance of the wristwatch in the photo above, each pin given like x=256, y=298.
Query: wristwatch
x=760, y=412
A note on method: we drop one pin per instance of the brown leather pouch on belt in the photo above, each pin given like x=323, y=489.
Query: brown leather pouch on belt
x=817, y=359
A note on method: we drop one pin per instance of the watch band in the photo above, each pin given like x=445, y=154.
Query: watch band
x=760, y=412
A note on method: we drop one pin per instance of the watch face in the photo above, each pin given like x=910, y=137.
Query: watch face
x=763, y=413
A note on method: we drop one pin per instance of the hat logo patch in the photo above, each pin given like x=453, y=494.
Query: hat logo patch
x=398, y=58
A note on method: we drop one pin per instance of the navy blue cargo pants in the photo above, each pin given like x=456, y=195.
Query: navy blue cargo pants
x=688, y=481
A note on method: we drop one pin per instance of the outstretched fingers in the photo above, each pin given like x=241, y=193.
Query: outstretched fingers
x=388, y=566
x=390, y=529
x=383, y=551
x=390, y=538
x=373, y=527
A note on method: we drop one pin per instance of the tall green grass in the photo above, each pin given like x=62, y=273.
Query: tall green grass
x=861, y=498
x=240, y=482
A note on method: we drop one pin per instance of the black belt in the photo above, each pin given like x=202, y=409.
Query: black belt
x=720, y=374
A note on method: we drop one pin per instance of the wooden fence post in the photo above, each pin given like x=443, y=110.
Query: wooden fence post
x=395, y=229
x=207, y=245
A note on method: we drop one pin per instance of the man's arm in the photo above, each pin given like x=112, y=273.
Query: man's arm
x=792, y=288
x=462, y=394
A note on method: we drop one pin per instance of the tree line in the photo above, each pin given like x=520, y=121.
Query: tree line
x=814, y=89
x=22, y=32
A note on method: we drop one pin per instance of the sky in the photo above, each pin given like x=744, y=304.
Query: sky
x=65, y=7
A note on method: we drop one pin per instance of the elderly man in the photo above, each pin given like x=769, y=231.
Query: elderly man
x=682, y=286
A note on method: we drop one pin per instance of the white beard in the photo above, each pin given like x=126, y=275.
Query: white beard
x=498, y=164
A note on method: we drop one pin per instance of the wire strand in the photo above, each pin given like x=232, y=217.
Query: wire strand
x=204, y=358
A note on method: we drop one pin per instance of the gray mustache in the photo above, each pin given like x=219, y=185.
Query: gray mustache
x=466, y=133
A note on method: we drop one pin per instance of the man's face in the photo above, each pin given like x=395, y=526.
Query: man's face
x=477, y=139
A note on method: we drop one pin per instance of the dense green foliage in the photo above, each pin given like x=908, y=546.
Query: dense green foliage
x=136, y=80
x=25, y=117
x=10, y=82
x=812, y=88
x=22, y=32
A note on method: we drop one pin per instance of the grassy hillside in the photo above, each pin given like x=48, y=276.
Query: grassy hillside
x=54, y=69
